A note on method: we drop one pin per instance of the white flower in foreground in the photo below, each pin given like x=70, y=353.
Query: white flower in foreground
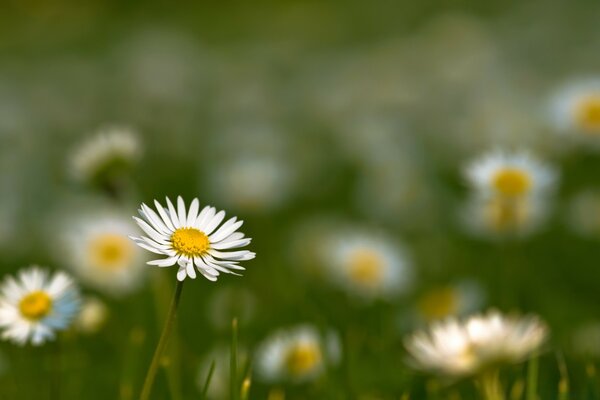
x=509, y=175
x=106, y=153
x=193, y=238
x=458, y=348
x=367, y=264
x=99, y=252
x=299, y=354
x=575, y=108
x=34, y=305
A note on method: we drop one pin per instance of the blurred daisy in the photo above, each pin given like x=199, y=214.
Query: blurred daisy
x=509, y=175
x=219, y=383
x=458, y=348
x=253, y=183
x=367, y=264
x=498, y=216
x=92, y=316
x=34, y=305
x=299, y=354
x=575, y=108
x=100, y=253
x=450, y=300
x=193, y=238
x=584, y=213
x=103, y=157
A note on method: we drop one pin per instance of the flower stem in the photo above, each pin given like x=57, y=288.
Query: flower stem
x=233, y=360
x=490, y=386
x=162, y=343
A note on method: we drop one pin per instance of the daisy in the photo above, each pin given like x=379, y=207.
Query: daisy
x=367, y=264
x=34, y=305
x=459, y=348
x=192, y=238
x=575, y=108
x=105, y=154
x=509, y=175
x=100, y=253
x=298, y=354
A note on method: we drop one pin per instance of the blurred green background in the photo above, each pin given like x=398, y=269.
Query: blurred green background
x=364, y=112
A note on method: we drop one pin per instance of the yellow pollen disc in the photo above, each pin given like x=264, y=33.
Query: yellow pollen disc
x=366, y=267
x=35, y=306
x=111, y=251
x=190, y=242
x=438, y=303
x=588, y=114
x=505, y=215
x=512, y=182
x=302, y=358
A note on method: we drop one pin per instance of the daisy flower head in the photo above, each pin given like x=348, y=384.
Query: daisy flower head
x=100, y=253
x=34, y=305
x=103, y=157
x=193, y=239
x=367, y=264
x=459, y=348
x=509, y=175
x=575, y=108
x=298, y=354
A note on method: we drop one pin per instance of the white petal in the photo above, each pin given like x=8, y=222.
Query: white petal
x=173, y=214
x=164, y=262
x=181, y=274
x=213, y=223
x=156, y=221
x=181, y=211
x=228, y=227
x=233, y=255
x=193, y=212
x=231, y=244
x=150, y=231
x=210, y=213
x=165, y=217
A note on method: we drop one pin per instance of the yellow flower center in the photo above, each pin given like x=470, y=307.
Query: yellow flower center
x=438, y=303
x=303, y=358
x=512, y=182
x=190, y=242
x=366, y=268
x=504, y=215
x=35, y=306
x=588, y=114
x=111, y=251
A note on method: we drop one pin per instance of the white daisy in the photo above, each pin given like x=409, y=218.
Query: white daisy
x=575, y=108
x=34, y=305
x=100, y=253
x=458, y=348
x=106, y=153
x=298, y=354
x=509, y=175
x=366, y=263
x=193, y=238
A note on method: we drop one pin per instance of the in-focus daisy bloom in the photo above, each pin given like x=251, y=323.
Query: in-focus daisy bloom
x=509, y=175
x=298, y=354
x=575, y=108
x=35, y=304
x=105, y=154
x=193, y=239
x=97, y=249
x=367, y=264
x=458, y=348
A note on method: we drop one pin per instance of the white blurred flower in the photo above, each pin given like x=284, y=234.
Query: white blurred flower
x=297, y=354
x=105, y=154
x=458, y=348
x=456, y=299
x=583, y=214
x=575, y=109
x=34, y=305
x=219, y=383
x=509, y=175
x=99, y=252
x=92, y=316
x=366, y=263
x=190, y=238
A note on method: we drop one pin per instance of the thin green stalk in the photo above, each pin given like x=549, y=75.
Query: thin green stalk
x=162, y=343
x=489, y=384
x=211, y=370
x=532, y=379
x=563, y=384
x=233, y=361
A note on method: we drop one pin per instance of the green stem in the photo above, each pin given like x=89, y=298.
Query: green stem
x=489, y=384
x=532, y=379
x=162, y=343
x=233, y=360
